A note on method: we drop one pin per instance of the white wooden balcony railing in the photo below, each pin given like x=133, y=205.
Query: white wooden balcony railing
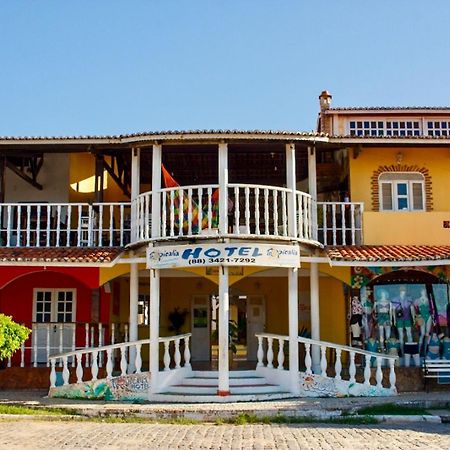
x=65, y=224
x=340, y=223
x=50, y=338
x=129, y=359
x=271, y=354
x=253, y=211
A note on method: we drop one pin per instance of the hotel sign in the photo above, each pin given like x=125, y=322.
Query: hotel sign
x=205, y=255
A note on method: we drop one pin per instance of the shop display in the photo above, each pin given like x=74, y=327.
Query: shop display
x=409, y=320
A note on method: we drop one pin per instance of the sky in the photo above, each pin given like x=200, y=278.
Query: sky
x=110, y=67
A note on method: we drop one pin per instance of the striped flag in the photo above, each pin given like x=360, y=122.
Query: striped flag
x=182, y=211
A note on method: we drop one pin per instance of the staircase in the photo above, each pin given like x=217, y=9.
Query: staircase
x=201, y=386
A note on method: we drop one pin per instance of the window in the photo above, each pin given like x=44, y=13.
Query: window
x=438, y=128
x=54, y=305
x=384, y=128
x=401, y=191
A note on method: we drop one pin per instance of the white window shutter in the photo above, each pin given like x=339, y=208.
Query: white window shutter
x=386, y=196
x=417, y=196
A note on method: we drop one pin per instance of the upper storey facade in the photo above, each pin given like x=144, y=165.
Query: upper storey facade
x=398, y=167
x=122, y=191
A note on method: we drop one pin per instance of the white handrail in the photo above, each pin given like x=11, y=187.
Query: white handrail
x=345, y=348
x=192, y=186
x=94, y=356
x=340, y=223
x=320, y=357
x=260, y=186
x=64, y=224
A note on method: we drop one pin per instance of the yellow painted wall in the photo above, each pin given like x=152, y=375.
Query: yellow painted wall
x=406, y=228
x=436, y=160
x=82, y=166
x=178, y=292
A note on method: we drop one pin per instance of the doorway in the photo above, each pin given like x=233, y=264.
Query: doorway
x=247, y=318
x=54, y=322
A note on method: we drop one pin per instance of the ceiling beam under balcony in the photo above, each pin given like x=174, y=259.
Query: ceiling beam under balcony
x=27, y=168
x=119, y=171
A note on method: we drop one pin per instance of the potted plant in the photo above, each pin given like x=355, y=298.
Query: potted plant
x=12, y=335
x=233, y=332
x=177, y=319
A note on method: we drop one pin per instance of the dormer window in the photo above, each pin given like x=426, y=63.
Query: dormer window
x=402, y=191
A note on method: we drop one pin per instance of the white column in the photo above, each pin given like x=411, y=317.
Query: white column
x=154, y=330
x=133, y=319
x=293, y=329
x=315, y=318
x=312, y=182
x=223, y=188
x=291, y=183
x=156, y=190
x=135, y=183
x=224, y=312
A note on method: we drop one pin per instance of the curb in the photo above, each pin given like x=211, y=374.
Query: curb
x=407, y=418
x=316, y=415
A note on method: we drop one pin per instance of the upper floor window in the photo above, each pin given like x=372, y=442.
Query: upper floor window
x=438, y=128
x=402, y=191
x=384, y=128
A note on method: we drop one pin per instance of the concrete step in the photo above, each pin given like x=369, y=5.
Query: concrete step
x=186, y=389
x=232, y=374
x=170, y=397
x=207, y=381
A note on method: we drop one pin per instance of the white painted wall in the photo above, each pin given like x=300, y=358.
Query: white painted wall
x=54, y=177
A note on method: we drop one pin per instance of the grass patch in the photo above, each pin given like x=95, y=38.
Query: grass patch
x=30, y=411
x=392, y=409
x=245, y=419
x=137, y=419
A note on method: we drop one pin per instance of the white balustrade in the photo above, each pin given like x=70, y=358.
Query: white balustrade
x=50, y=338
x=340, y=223
x=327, y=351
x=265, y=352
x=174, y=358
x=65, y=224
x=253, y=210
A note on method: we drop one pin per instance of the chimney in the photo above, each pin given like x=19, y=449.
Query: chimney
x=324, y=123
x=325, y=100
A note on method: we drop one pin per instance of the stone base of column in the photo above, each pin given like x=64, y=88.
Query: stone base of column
x=223, y=393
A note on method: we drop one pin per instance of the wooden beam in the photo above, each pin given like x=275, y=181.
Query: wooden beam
x=23, y=175
x=121, y=178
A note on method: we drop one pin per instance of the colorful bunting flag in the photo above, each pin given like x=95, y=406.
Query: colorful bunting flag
x=182, y=211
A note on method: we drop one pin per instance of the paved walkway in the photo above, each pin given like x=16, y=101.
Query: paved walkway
x=292, y=407
x=55, y=435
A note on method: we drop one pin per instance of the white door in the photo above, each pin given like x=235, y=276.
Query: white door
x=200, y=326
x=54, y=322
x=256, y=323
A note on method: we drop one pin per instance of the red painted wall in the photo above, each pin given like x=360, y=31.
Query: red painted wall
x=18, y=283
x=87, y=275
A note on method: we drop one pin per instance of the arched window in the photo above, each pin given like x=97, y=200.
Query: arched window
x=401, y=191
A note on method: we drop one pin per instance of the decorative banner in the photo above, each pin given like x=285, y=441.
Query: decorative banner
x=168, y=257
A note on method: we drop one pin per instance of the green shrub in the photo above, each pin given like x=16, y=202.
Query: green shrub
x=12, y=335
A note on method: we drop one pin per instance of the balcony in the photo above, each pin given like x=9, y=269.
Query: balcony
x=188, y=212
x=65, y=224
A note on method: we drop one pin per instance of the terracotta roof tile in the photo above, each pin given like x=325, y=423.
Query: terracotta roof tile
x=394, y=253
x=118, y=137
x=59, y=255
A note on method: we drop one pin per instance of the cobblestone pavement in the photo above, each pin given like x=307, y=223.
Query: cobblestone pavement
x=70, y=435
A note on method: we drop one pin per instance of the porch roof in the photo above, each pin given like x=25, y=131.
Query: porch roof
x=83, y=256
x=376, y=254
